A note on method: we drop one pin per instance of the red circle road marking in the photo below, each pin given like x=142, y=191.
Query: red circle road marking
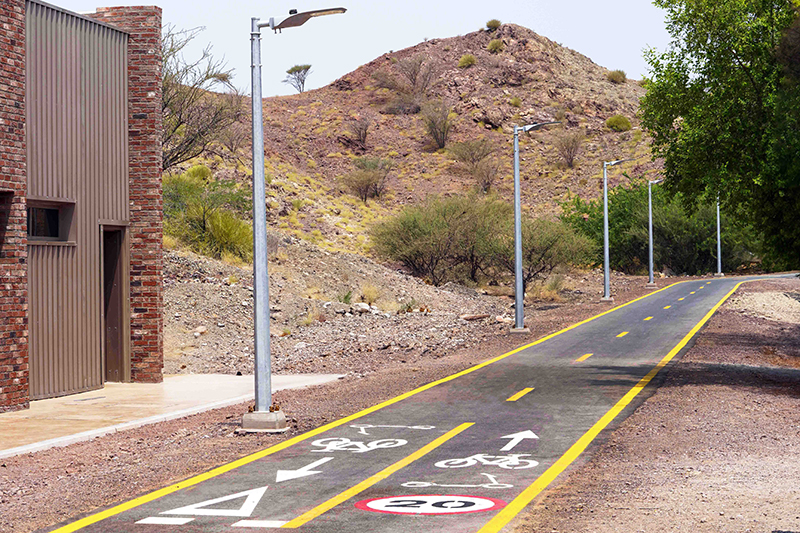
x=431, y=504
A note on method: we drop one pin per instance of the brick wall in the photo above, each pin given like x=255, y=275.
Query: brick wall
x=13, y=228
x=144, y=129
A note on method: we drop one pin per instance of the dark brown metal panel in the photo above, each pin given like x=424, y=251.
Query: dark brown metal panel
x=76, y=106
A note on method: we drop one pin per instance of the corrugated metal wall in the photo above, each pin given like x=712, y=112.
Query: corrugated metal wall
x=76, y=106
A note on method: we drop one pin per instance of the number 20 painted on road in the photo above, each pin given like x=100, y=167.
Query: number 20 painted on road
x=430, y=504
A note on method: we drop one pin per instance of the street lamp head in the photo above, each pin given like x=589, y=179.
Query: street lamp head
x=536, y=126
x=298, y=19
x=617, y=162
x=653, y=182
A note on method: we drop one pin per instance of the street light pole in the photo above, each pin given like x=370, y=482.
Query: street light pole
x=606, y=256
x=651, y=284
x=519, y=317
x=266, y=417
x=719, y=273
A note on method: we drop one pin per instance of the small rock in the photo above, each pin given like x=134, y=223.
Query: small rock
x=200, y=330
x=473, y=317
x=361, y=307
x=220, y=325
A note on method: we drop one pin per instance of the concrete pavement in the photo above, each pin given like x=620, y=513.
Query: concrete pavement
x=118, y=406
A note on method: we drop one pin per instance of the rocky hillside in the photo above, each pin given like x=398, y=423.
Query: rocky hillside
x=533, y=79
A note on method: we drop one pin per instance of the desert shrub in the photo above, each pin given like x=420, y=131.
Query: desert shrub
x=516, y=101
x=684, y=240
x=617, y=76
x=411, y=80
x=466, y=61
x=471, y=153
x=359, y=128
x=466, y=238
x=546, y=246
x=363, y=183
x=228, y=234
x=568, y=145
x=345, y=297
x=207, y=214
x=493, y=24
x=485, y=174
x=618, y=123
x=560, y=114
x=403, y=104
x=495, y=46
x=370, y=293
x=436, y=115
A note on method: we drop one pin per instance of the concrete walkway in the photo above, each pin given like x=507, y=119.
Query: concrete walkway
x=117, y=406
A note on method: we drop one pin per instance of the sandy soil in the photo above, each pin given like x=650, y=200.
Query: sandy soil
x=715, y=449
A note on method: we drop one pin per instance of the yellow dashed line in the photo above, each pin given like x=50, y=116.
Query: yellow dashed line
x=691, y=292
x=707, y=282
x=681, y=299
x=667, y=307
x=622, y=334
x=702, y=286
x=583, y=358
x=648, y=318
x=519, y=395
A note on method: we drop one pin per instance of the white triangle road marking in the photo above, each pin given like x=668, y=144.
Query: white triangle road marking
x=199, y=509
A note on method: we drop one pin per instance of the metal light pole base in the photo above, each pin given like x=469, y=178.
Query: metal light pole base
x=607, y=300
x=719, y=275
x=264, y=422
x=519, y=330
x=651, y=286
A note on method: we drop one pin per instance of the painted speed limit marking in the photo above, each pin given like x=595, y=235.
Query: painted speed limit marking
x=431, y=504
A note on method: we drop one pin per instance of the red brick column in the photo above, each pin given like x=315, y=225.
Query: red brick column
x=14, y=393
x=143, y=23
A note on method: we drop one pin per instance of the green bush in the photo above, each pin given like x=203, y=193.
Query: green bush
x=618, y=123
x=369, y=180
x=466, y=61
x=466, y=238
x=493, y=24
x=617, y=76
x=206, y=214
x=683, y=240
x=495, y=46
x=516, y=102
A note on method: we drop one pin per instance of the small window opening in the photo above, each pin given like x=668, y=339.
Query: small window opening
x=50, y=221
x=43, y=222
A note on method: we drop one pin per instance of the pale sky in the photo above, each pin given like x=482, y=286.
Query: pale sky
x=613, y=33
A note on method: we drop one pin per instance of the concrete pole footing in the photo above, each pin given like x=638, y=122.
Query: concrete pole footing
x=519, y=330
x=719, y=275
x=650, y=286
x=609, y=300
x=264, y=422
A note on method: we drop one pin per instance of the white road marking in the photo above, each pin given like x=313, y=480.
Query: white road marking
x=516, y=438
x=430, y=504
x=308, y=470
x=259, y=523
x=509, y=462
x=165, y=521
x=492, y=484
x=343, y=444
x=363, y=427
x=198, y=509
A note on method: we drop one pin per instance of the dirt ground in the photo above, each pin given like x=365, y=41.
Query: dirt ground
x=716, y=448
x=703, y=458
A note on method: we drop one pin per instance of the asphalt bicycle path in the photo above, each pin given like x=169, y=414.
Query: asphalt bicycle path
x=463, y=454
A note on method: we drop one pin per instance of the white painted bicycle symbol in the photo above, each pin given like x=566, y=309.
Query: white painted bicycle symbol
x=362, y=428
x=492, y=484
x=343, y=444
x=509, y=462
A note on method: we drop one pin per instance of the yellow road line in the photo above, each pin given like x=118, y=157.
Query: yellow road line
x=692, y=292
x=622, y=334
x=520, y=394
x=648, y=318
x=136, y=502
x=370, y=481
x=681, y=299
x=583, y=358
x=702, y=286
x=526, y=496
x=667, y=307
x=707, y=282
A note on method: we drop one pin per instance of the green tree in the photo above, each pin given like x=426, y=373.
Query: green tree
x=723, y=110
x=194, y=116
x=297, y=75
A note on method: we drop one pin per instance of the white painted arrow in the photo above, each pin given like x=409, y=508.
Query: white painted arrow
x=516, y=438
x=285, y=475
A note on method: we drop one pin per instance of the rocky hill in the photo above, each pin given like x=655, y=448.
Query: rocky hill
x=532, y=79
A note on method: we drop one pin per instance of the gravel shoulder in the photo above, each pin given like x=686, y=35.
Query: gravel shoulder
x=90, y=475
x=715, y=449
